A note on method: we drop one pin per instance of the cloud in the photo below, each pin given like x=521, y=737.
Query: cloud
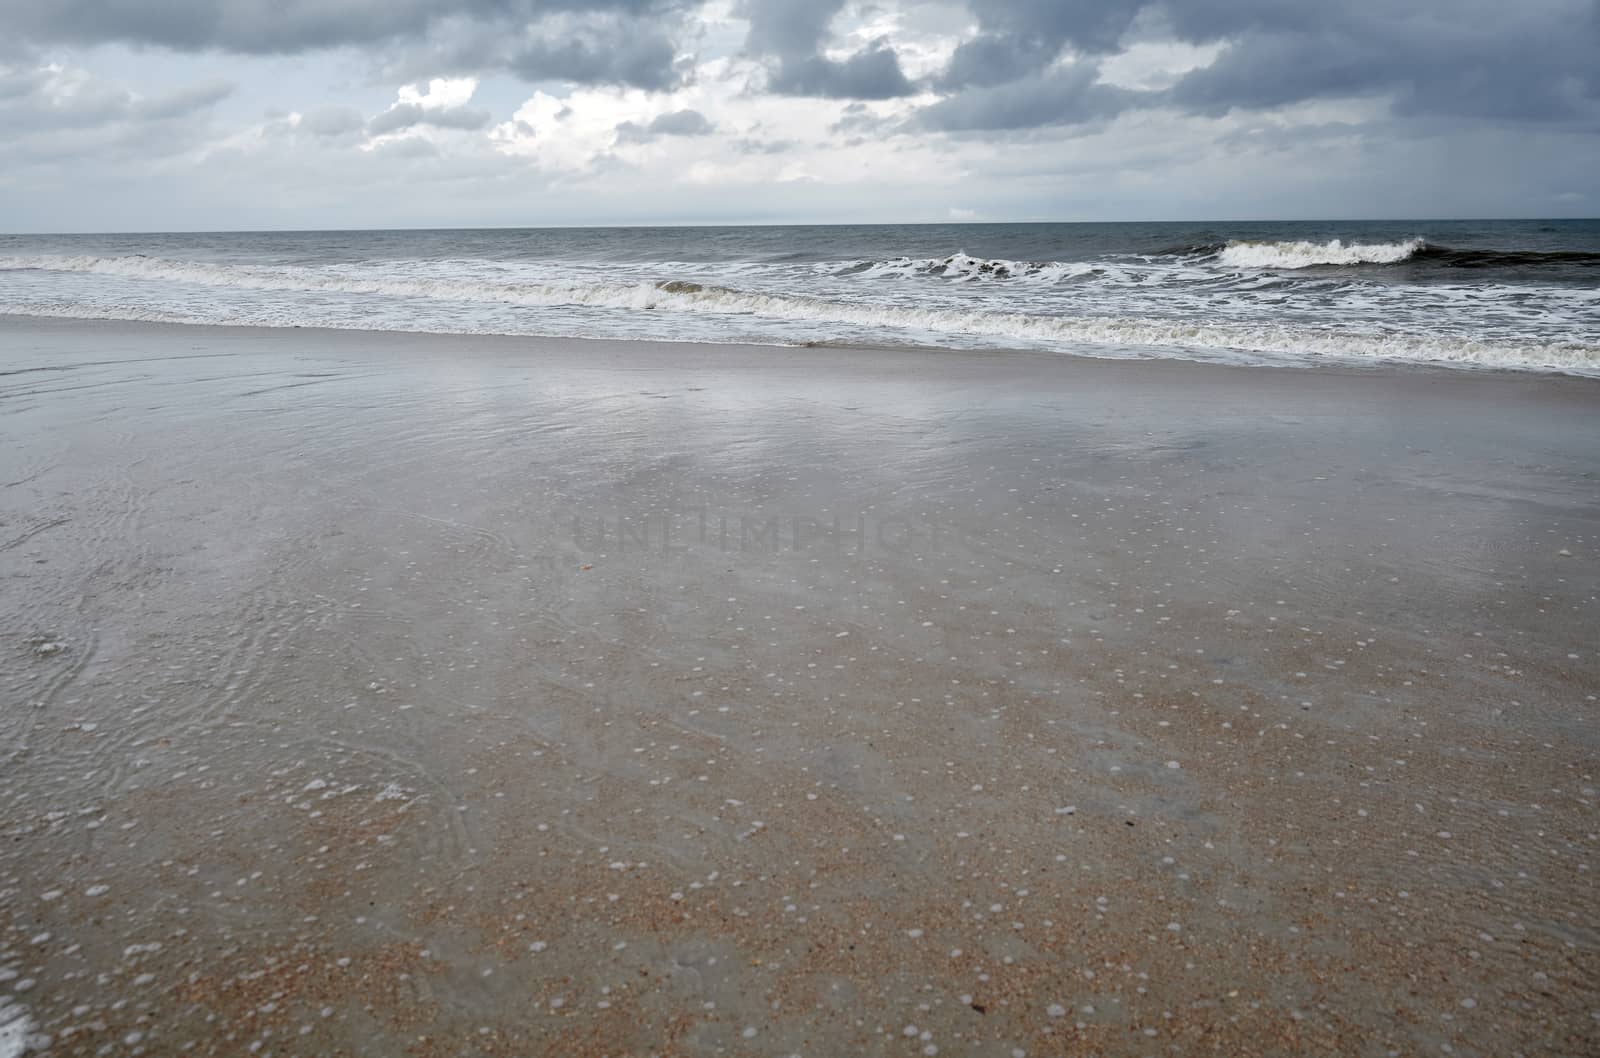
x=851, y=101
x=606, y=51
x=1472, y=59
x=1531, y=62
x=1070, y=96
x=407, y=147
x=54, y=98
x=748, y=145
x=274, y=26
x=871, y=74
x=333, y=120
x=1018, y=38
x=404, y=116
x=788, y=27
x=677, y=123
x=439, y=104
x=583, y=41
x=59, y=116
x=580, y=47
x=793, y=32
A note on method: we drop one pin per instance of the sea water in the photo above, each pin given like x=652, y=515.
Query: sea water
x=1496, y=294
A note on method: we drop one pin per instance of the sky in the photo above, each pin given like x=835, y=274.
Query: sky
x=149, y=115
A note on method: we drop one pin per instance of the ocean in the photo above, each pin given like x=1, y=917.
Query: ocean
x=1518, y=295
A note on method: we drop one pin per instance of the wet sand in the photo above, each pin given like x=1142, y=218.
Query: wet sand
x=394, y=695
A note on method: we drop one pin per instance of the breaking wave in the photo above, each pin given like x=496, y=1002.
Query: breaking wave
x=1246, y=255
x=1302, y=254
x=962, y=267
x=841, y=320
x=1305, y=254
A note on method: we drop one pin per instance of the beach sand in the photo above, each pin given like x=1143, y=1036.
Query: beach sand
x=382, y=694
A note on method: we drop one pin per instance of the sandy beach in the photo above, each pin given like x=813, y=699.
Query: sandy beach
x=384, y=694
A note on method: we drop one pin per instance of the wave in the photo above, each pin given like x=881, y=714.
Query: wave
x=963, y=267
x=907, y=324
x=1455, y=258
x=344, y=281
x=1186, y=249
x=1244, y=254
x=1205, y=259
x=1303, y=254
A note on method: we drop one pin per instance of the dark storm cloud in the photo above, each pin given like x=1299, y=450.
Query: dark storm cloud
x=1529, y=61
x=403, y=116
x=1532, y=61
x=788, y=27
x=681, y=123
x=871, y=74
x=587, y=41
x=1061, y=97
x=677, y=123
x=792, y=33
x=613, y=51
x=1019, y=37
x=1490, y=60
x=590, y=47
x=273, y=26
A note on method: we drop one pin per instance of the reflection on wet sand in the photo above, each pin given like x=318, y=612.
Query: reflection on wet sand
x=401, y=695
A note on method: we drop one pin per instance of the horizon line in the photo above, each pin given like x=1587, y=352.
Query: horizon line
x=801, y=224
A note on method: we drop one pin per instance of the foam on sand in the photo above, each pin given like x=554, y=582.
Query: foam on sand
x=15, y=1029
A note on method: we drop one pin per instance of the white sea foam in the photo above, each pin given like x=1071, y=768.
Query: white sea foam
x=963, y=267
x=435, y=296
x=1306, y=254
x=16, y=1029
x=1112, y=337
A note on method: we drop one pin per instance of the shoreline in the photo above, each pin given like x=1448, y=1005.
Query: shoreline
x=371, y=693
x=549, y=344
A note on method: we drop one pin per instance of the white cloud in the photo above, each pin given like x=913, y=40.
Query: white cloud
x=427, y=115
x=440, y=93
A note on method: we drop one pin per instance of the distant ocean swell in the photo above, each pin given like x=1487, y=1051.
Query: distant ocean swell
x=1247, y=254
x=1301, y=254
x=853, y=301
